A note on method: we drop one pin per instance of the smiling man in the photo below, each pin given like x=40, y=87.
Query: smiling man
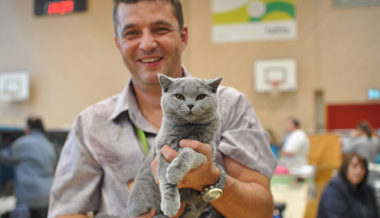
x=105, y=146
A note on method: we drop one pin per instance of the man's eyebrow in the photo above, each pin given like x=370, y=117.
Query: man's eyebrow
x=160, y=22
x=127, y=26
x=163, y=22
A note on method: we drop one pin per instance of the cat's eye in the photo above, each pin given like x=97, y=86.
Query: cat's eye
x=179, y=96
x=201, y=96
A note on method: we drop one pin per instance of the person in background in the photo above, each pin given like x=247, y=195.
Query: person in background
x=103, y=151
x=34, y=158
x=348, y=195
x=295, y=150
x=364, y=141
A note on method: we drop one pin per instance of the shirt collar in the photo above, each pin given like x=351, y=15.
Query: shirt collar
x=126, y=104
x=123, y=99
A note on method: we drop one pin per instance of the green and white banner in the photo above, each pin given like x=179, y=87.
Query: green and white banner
x=247, y=20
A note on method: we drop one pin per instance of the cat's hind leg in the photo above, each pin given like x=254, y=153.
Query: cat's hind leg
x=186, y=160
x=194, y=203
x=145, y=194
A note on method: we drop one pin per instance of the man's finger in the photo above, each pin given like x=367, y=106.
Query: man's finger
x=169, y=153
x=197, y=146
x=150, y=214
x=153, y=166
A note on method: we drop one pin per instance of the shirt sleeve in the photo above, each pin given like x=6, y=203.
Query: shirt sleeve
x=242, y=137
x=12, y=155
x=76, y=187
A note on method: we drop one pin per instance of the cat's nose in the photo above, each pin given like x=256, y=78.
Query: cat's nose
x=190, y=106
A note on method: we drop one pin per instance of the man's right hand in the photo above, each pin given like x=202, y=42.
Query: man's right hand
x=169, y=155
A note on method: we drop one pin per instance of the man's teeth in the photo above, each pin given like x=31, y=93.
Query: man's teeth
x=149, y=60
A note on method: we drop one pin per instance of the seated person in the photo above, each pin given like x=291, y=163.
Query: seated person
x=347, y=194
x=362, y=141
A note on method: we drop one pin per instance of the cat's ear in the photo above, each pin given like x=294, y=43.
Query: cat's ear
x=165, y=82
x=214, y=83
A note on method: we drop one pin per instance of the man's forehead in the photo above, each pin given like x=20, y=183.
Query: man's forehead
x=133, y=12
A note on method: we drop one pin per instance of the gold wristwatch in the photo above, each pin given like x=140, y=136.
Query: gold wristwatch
x=214, y=192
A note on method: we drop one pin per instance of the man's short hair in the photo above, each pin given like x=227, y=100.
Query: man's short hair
x=177, y=10
x=295, y=122
x=35, y=123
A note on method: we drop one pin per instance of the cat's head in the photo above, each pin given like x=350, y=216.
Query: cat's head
x=189, y=99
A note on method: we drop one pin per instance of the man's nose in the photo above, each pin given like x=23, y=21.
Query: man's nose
x=148, y=41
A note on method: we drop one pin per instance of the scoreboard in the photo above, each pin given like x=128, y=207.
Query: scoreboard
x=58, y=7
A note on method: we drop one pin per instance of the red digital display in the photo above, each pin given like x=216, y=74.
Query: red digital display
x=58, y=7
x=62, y=7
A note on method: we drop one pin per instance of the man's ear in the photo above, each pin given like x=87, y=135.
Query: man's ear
x=117, y=43
x=184, y=36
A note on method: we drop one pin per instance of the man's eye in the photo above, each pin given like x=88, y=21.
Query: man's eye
x=130, y=34
x=201, y=96
x=161, y=30
x=179, y=96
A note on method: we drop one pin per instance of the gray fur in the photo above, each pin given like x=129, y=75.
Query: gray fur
x=190, y=111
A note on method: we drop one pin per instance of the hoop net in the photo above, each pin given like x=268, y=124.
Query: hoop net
x=275, y=88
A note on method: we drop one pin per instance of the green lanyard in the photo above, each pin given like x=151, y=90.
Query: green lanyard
x=142, y=137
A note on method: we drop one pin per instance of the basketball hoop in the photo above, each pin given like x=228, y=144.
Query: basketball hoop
x=275, y=77
x=275, y=88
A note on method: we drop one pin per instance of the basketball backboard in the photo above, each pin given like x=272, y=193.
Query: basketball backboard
x=14, y=86
x=275, y=75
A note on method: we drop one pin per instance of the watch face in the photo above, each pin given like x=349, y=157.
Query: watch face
x=212, y=194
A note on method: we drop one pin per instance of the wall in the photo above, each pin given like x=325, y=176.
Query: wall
x=348, y=46
x=73, y=61
x=336, y=52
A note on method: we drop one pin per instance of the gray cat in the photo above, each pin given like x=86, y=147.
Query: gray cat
x=190, y=111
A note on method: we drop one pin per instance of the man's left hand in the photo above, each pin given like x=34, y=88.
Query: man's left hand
x=198, y=178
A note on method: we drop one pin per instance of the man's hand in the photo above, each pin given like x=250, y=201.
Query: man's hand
x=169, y=155
x=246, y=192
x=198, y=178
x=204, y=175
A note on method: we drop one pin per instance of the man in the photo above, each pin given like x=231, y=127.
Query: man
x=296, y=147
x=34, y=159
x=103, y=151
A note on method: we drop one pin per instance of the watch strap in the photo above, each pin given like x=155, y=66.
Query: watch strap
x=213, y=192
x=222, y=178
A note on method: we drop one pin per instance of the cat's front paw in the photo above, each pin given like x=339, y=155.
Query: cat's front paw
x=174, y=175
x=170, y=207
x=186, y=160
